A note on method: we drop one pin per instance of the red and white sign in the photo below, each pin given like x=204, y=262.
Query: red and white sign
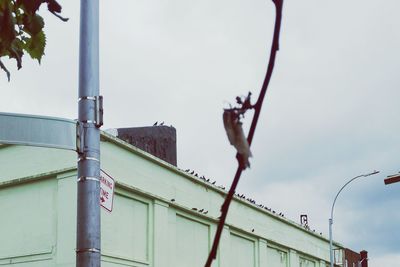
x=107, y=185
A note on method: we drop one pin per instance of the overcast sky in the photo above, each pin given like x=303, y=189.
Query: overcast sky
x=331, y=112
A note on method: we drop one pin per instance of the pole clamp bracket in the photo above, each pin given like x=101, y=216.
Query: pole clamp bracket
x=98, y=109
x=92, y=250
x=88, y=178
x=86, y=98
x=80, y=140
x=87, y=158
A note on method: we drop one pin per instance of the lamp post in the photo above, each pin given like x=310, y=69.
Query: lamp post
x=333, y=205
x=88, y=144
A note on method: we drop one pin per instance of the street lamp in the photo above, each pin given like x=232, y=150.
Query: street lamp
x=333, y=205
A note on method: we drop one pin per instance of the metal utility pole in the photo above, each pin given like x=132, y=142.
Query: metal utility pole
x=88, y=138
x=331, y=256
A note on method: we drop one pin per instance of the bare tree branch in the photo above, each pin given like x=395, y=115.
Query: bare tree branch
x=257, y=107
x=5, y=69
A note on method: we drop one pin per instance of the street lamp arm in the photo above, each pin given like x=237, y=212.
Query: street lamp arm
x=334, y=201
x=351, y=180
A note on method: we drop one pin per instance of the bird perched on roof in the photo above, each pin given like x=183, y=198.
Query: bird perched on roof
x=155, y=124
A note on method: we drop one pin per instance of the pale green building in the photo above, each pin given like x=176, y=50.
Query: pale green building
x=161, y=217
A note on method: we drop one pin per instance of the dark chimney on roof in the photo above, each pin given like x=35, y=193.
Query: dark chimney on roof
x=160, y=141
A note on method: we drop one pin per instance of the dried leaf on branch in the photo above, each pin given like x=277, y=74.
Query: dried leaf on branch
x=234, y=130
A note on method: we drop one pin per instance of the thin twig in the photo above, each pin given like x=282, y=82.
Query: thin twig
x=3, y=67
x=257, y=107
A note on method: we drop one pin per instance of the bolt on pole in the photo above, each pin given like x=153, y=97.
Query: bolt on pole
x=88, y=207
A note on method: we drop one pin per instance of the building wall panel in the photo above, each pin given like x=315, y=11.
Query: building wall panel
x=191, y=242
x=28, y=221
x=242, y=251
x=305, y=262
x=276, y=257
x=125, y=231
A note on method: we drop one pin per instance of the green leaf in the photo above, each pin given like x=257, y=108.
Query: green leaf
x=35, y=46
x=33, y=24
x=21, y=29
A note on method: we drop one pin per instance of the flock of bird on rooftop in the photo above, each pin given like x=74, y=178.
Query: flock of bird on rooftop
x=240, y=196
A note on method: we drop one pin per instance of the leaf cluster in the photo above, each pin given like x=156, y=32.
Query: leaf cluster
x=21, y=29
